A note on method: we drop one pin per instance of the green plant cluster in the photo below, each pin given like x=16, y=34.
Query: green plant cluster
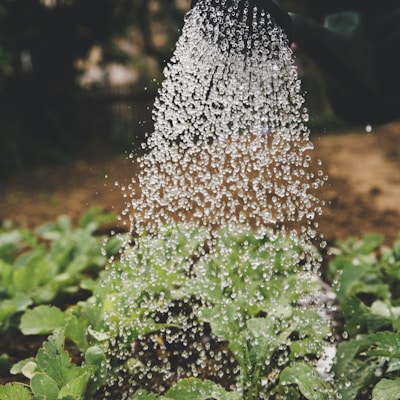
x=275, y=340
x=40, y=269
x=54, y=261
x=366, y=277
x=259, y=321
x=248, y=289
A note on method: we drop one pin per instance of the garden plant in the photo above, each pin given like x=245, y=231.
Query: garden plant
x=214, y=289
x=270, y=352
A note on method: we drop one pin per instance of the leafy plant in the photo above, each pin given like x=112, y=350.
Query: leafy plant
x=236, y=308
x=40, y=267
x=52, y=375
x=240, y=302
x=247, y=288
x=367, y=281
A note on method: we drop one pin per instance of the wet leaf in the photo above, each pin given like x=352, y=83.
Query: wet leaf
x=75, y=388
x=384, y=344
x=195, y=389
x=143, y=395
x=303, y=375
x=54, y=361
x=15, y=391
x=43, y=386
x=387, y=389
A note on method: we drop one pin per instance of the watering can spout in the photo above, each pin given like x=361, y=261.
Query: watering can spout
x=341, y=49
x=353, y=45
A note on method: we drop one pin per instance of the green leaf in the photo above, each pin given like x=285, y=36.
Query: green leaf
x=370, y=242
x=240, y=351
x=20, y=302
x=304, y=347
x=364, y=246
x=93, y=312
x=310, y=384
x=346, y=352
x=95, y=217
x=8, y=244
x=195, y=389
x=360, y=319
x=29, y=369
x=76, y=329
x=96, y=358
x=143, y=395
x=6, y=274
x=53, y=375
x=226, y=320
x=54, y=360
x=76, y=387
x=352, y=373
x=350, y=280
x=15, y=391
x=112, y=245
x=33, y=274
x=42, y=320
x=77, y=264
x=385, y=344
x=394, y=366
x=387, y=389
x=94, y=355
x=18, y=367
x=99, y=336
x=381, y=309
x=44, y=386
x=263, y=339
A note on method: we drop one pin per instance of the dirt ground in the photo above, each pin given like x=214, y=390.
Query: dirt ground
x=362, y=193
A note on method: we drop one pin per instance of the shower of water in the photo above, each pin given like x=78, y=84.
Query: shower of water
x=230, y=143
x=230, y=149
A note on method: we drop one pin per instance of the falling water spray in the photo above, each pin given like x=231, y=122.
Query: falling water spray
x=228, y=164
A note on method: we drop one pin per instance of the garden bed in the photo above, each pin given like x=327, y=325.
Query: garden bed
x=362, y=191
x=362, y=197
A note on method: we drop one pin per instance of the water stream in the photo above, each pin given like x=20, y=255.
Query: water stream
x=230, y=154
x=230, y=143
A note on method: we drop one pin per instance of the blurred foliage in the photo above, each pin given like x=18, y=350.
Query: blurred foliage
x=45, y=115
x=159, y=19
x=40, y=102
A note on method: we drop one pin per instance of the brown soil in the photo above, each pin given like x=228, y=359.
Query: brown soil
x=362, y=194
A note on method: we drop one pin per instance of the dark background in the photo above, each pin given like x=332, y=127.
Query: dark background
x=47, y=116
